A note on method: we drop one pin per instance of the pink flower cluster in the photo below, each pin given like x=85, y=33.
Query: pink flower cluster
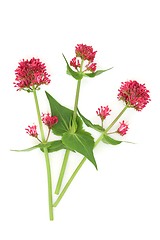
x=103, y=112
x=85, y=53
x=48, y=120
x=32, y=131
x=122, y=130
x=29, y=73
x=134, y=94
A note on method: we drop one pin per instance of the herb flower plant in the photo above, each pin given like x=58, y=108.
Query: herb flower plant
x=67, y=124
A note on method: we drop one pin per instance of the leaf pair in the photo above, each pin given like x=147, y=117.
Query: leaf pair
x=51, y=146
x=106, y=139
x=79, y=76
x=80, y=140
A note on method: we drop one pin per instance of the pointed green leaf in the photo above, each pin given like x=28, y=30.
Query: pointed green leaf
x=98, y=72
x=64, y=117
x=76, y=75
x=52, y=146
x=41, y=145
x=90, y=124
x=108, y=140
x=82, y=142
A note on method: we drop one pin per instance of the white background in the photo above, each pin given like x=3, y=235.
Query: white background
x=121, y=199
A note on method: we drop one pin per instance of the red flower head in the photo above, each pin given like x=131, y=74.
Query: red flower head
x=32, y=131
x=85, y=53
x=103, y=112
x=122, y=130
x=48, y=120
x=29, y=73
x=134, y=94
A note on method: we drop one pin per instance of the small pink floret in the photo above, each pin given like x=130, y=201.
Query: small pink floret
x=32, y=131
x=122, y=130
x=91, y=67
x=48, y=120
x=103, y=112
x=75, y=63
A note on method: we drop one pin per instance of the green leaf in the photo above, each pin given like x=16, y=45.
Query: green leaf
x=52, y=146
x=90, y=124
x=108, y=140
x=40, y=145
x=64, y=117
x=76, y=75
x=98, y=72
x=82, y=142
x=56, y=146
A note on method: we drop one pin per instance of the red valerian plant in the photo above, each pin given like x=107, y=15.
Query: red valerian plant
x=67, y=123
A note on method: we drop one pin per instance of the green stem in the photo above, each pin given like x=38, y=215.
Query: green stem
x=38, y=114
x=76, y=102
x=46, y=157
x=62, y=172
x=49, y=184
x=48, y=135
x=73, y=129
x=69, y=182
x=84, y=159
x=75, y=107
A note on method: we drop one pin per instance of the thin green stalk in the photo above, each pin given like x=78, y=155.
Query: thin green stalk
x=49, y=184
x=62, y=172
x=38, y=114
x=76, y=102
x=46, y=157
x=69, y=182
x=75, y=107
x=84, y=159
x=73, y=129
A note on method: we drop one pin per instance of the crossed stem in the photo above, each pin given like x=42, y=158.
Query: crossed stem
x=84, y=159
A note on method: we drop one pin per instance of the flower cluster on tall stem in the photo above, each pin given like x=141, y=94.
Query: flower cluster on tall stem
x=31, y=73
x=84, y=52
